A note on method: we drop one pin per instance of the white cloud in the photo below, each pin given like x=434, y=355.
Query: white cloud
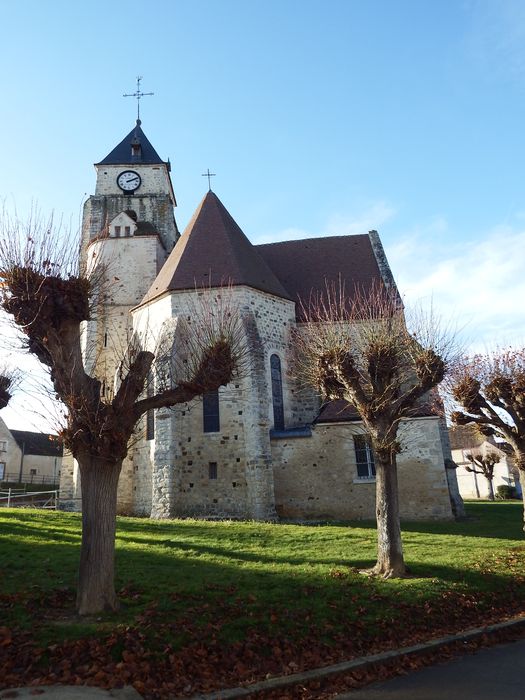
x=480, y=284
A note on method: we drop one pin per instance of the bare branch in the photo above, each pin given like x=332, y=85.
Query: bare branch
x=9, y=381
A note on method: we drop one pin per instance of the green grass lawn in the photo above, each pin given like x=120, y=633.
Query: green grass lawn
x=231, y=587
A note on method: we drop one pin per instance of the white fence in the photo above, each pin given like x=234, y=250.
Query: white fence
x=17, y=498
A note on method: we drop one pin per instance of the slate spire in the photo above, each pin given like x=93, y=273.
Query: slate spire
x=134, y=148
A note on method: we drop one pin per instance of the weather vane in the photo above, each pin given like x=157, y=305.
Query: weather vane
x=209, y=176
x=138, y=94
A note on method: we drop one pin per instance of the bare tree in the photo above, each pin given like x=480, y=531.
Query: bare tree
x=485, y=464
x=489, y=390
x=359, y=349
x=49, y=298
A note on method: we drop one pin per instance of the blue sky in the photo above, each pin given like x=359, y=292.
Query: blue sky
x=318, y=117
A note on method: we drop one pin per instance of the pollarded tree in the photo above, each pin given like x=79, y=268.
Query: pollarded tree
x=483, y=464
x=49, y=298
x=8, y=382
x=359, y=349
x=489, y=390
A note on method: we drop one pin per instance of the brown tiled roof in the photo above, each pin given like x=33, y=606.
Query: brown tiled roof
x=307, y=266
x=340, y=411
x=212, y=252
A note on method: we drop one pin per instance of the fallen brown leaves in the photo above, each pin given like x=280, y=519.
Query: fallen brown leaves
x=186, y=652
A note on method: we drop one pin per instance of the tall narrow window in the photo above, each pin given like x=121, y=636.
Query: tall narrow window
x=127, y=230
x=364, y=457
x=117, y=231
x=2, y=470
x=212, y=470
x=210, y=412
x=277, y=393
x=150, y=424
x=150, y=414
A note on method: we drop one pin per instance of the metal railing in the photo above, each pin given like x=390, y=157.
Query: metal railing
x=14, y=478
x=14, y=498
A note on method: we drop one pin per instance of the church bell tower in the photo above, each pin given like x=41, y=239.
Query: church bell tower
x=132, y=179
x=128, y=231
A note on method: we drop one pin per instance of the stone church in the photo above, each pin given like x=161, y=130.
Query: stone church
x=258, y=448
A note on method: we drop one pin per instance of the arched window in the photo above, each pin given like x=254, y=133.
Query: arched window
x=277, y=393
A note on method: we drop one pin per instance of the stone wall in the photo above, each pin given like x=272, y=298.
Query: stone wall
x=316, y=477
x=154, y=179
x=70, y=495
x=156, y=210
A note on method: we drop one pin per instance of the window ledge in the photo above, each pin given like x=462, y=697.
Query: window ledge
x=365, y=480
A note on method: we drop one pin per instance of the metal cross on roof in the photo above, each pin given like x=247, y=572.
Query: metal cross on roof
x=138, y=94
x=209, y=176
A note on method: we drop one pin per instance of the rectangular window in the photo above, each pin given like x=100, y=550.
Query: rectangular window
x=212, y=470
x=2, y=470
x=32, y=472
x=210, y=412
x=364, y=457
x=127, y=230
x=3, y=445
x=117, y=231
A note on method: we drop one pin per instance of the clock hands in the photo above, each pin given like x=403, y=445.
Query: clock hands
x=129, y=180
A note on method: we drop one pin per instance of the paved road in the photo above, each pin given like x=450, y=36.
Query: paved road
x=491, y=674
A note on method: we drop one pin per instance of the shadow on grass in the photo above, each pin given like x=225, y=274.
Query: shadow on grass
x=501, y=520
x=204, y=571
x=42, y=550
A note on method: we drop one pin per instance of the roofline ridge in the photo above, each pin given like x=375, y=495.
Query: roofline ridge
x=314, y=238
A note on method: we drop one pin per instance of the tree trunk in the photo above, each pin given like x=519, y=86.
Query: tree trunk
x=96, y=584
x=520, y=463
x=491, y=489
x=390, y=561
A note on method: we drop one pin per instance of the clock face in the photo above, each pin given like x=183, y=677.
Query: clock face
x=129, y=181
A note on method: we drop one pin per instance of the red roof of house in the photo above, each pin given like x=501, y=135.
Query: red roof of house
x=213, y=252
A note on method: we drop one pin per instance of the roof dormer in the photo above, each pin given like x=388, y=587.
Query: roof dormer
x=123, y=225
